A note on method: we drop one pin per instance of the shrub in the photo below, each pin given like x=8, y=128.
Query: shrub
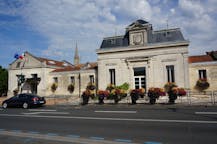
x=202, y=84
x=91, y=86
x=169, y=86
x=124, y=86
x=71, y=88
x=181, y=92
x=54, y=87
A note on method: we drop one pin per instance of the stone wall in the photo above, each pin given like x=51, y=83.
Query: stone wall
x=154, y=59
x=64, y=80
x=210, y=67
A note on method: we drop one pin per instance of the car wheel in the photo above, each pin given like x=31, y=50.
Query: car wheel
x=5, y=105
x=25, y=105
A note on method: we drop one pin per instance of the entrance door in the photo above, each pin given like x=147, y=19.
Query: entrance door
x=140, y=77
x=139, y=82
x=34, y=88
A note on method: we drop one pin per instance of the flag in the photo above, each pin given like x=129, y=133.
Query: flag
x=22, y=56
x=16, y=56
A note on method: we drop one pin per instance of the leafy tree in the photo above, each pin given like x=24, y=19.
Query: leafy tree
x=3, y=81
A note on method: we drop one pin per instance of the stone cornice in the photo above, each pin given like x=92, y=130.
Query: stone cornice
x=141, y=47
x=73, y=72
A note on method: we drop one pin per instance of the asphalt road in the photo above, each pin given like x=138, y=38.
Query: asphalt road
x=147, y=124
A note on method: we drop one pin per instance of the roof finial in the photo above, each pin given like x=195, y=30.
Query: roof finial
x=167, y=23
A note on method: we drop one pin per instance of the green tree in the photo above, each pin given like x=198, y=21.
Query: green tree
x=3, y=81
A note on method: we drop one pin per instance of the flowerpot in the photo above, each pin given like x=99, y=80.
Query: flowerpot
x=152, y=100
x=134, y=98
x=116, y=98
x=172, y=98
x=85, y=100
x=101, y=99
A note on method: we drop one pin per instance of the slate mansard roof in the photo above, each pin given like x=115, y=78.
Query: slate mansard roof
x=154, y=37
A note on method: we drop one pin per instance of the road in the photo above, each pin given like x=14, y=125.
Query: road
x=146, y=124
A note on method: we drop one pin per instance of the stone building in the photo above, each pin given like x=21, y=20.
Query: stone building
x=141, y=57
x=40, y=73
x=144, y=58
x=203, y=67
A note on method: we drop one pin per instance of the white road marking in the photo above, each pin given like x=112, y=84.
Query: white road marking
x=34, y=113
x=115, y=111
x=42, y=110
x=58, y=138
x=113, y=119
x=206, y=113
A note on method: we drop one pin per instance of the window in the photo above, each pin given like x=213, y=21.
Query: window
x=170, y=73
x=202, y=74
x=72, y=79
x=140, y=77
x=112, y=41
x=55, y=79
x=112, y=76
x=34, y=75
x=91, y=78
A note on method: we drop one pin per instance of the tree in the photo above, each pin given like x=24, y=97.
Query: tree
x=3, y=81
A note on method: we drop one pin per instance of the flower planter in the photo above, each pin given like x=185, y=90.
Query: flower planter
x=134, y=98
x=152, y=100
x=85, y=99
x=154, y=93
x=172, y=97
x=101, y=99
x=117, y=98
x=135, y=94
x=202, y=84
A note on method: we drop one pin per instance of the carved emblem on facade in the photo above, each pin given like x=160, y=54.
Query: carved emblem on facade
x=137, y=39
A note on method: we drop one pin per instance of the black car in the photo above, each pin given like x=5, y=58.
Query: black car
x=24, y=100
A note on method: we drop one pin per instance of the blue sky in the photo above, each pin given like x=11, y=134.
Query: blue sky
x=51, y=28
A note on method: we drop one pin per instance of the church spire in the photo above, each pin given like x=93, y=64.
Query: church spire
x=76, y=56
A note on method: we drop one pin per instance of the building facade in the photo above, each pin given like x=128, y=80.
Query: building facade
x=203, y=67
x=141, y=57
x=39, y=74
x=144, y=58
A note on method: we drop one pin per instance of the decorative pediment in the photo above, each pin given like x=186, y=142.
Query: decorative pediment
x=137, y=25
x=29, y=61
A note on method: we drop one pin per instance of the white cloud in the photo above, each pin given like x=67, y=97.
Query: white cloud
x=135, y=8
x=63, y=22
x=191, y=8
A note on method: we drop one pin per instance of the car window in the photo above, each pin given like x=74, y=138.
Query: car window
x=14, y=97
x=22, y=96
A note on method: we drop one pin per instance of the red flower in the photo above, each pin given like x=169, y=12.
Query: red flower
x=181, y=92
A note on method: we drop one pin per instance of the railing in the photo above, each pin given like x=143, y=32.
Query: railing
x=195, y=97
x=191, y=98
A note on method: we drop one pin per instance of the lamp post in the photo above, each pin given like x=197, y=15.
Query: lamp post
x=79, y=79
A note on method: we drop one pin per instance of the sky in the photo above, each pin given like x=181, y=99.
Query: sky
x=51, y=28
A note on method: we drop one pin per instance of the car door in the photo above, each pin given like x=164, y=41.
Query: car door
x=21, y=99
x=13, y=101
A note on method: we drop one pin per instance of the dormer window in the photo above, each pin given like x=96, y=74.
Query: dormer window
x=65, y=64
x=51, y=62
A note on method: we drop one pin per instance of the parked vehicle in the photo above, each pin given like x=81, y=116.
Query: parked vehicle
x=24, y=100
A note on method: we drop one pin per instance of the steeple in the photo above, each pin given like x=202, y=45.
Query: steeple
x=76, y=56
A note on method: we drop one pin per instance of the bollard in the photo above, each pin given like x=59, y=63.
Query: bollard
x=189, y=98
x=212, y=98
